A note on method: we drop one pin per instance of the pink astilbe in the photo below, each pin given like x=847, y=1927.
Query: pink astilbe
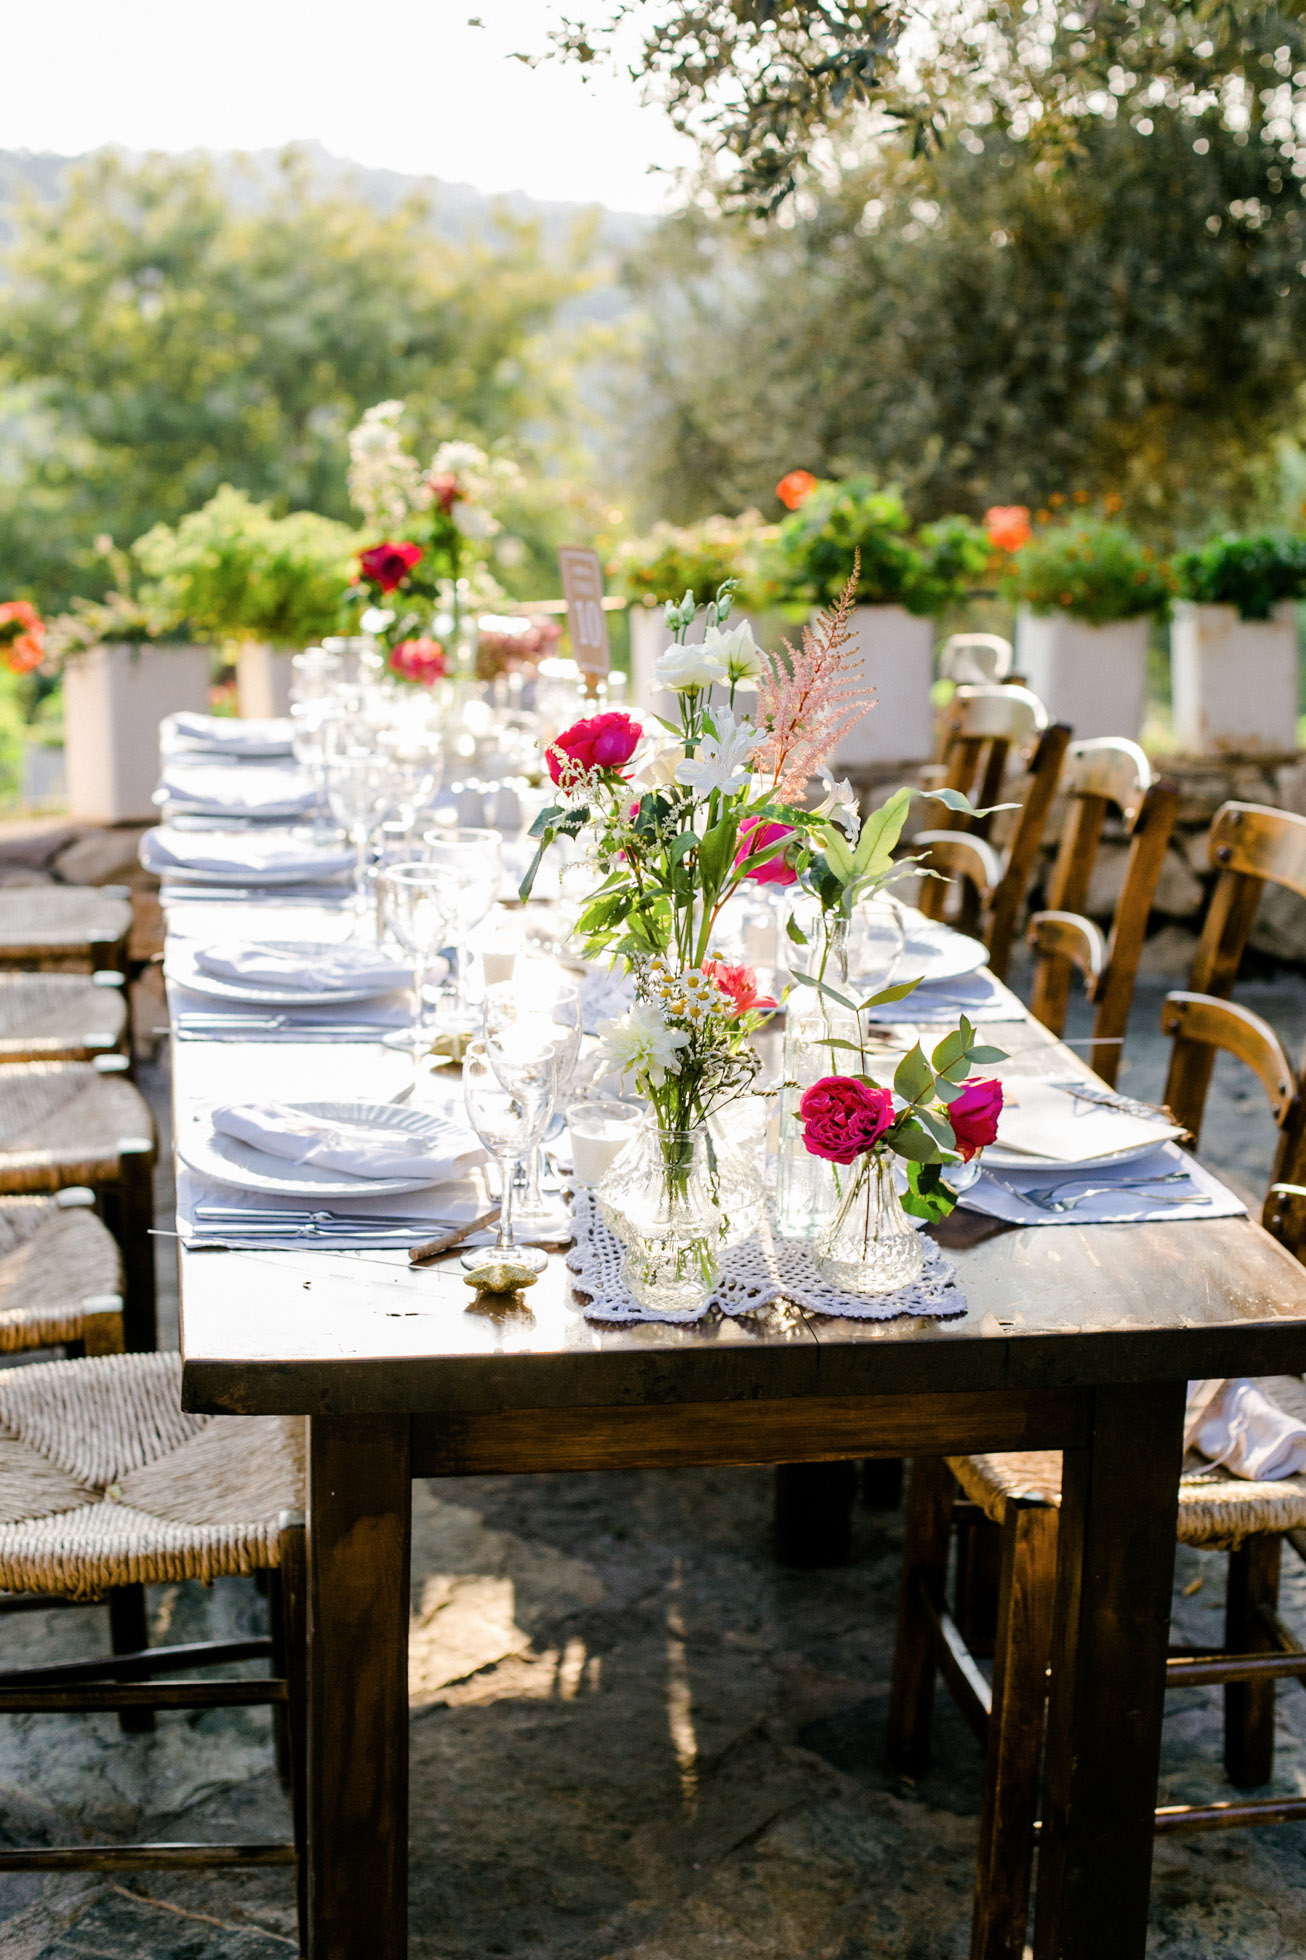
x=805, y=709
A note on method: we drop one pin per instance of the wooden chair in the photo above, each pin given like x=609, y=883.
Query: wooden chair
x=987, y=725
x=108, y=1486
x=65, y=928
x=1097, y=776
x=60, y=1276
x=83, y=1123
x=978, y=659
x=62, y=1017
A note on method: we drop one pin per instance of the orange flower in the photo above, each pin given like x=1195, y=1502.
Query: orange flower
x=1057, y=498
x=22, y=636
x=795, y=488
x=1112, y=502
x=1007, y=526
x=1081, y=496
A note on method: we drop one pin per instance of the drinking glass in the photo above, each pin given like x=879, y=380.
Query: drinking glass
x=470, y=859
x=313, y=673
x=509, y=1116
x=308, y=742
x=418, y=905
x=353, y=780
x=539, y=1006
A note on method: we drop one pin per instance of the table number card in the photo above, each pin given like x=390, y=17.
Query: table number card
x=582, y=585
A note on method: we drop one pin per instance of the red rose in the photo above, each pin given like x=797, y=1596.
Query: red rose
x=739, y=985
x=1007, y=526
x=844, y=1118
x=775, y=871
x=446, y=489
x=22, y=636
x=974, y=1116
x=419, y=660
x=389, y=564
x=795, y=488
x=600, y=742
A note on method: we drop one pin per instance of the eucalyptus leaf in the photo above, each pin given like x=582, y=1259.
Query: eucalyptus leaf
x=913, y=1075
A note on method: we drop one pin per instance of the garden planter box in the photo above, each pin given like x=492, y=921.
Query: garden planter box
x=1234, y=681
x=1093, y=678
x=897, y=653
x=114, y=699
x=263, y=677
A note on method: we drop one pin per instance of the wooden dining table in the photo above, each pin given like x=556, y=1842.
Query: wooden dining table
x=1076, y=1337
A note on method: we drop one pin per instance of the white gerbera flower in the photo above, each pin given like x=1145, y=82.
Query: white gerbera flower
x=686, y=668
x=722, y=759
x=738, y=652
x=641, y=1043
x=839, y=803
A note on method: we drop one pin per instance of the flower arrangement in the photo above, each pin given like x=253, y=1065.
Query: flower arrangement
x=509, y=644
x=697, y=558
x=1090, y=568
x=1252, y=574
x=22, y=636
x=830, y=522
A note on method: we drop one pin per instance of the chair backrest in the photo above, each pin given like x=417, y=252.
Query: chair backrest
x=983, y=727
x=1251, y=846
x=989, y=886
x=977, y=658
x=1105, y=773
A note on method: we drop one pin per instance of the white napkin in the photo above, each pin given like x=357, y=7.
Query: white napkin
x=225, y=735
x=1237, y=1424
x=998, y=1193
x=218, y=789
x=1058, y=1128
x=330, y=967
x=355, y=1148
x=247, y=852
x=976, y=995
x=455, y=1203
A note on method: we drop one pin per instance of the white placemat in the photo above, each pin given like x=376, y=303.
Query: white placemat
x=1125, y=1197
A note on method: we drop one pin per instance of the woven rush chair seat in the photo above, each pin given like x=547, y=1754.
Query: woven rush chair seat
x=60, y=1017
x=64, y=926
x=60, y=1278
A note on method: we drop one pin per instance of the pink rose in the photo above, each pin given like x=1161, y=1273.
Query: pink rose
x=843, y=1118
x=419, y=660
x=974, y=1116
x=775, y=871
x=739, y=985
x=600, y=742
x=389, y=564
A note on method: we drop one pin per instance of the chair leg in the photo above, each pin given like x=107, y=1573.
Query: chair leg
x=814, y=1513
x=1015, y=1739
x=129, y=1213
x=1253, y=1582
x=978, y=1583
x=292, y=1592
x=882, y=1482
x=930, y=1492
x=129, y=1633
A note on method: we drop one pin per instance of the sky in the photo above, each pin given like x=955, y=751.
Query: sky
x=409, y=86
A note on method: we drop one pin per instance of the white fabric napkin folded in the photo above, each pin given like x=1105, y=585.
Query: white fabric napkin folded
x=1237, y=1424
x=976, y=995
x=245, y=852
x=1057, y=1127
x=225, y=735
x=357, y=1149
x=1123, y=1194
x=263, y=789
x=331, y=967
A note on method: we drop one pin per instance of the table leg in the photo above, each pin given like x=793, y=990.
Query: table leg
x=1115, y=1572
x=359, y=1533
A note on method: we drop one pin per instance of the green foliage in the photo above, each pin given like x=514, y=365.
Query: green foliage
x=160, y=338
x=812, y=559
x=236, y=572
x=1093, y=570
x=1253, y=573
x=698, y=558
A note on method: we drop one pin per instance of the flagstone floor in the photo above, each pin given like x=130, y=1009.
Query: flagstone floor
x=634, y=1736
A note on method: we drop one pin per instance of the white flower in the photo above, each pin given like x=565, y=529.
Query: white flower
x=473, y=520
x=839, y=803
x=722, y=759
x=457, y=458
x=685, y=668
x=739, y=653
x=656, y=768
x=375, y=619
x=641, y=1043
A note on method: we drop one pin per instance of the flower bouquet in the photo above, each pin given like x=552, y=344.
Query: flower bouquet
x=678, y=818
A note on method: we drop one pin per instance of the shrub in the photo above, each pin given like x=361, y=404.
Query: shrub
x=1252, y=574
x=1092, y=570
x=675, y=559
x=816, y=546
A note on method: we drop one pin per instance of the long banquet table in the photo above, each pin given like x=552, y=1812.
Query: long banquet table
x=1079, y=1337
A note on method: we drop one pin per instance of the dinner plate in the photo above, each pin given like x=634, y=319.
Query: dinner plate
x=226, y=1160
x=934, y=952
x=183, y=969
x=996, y=1158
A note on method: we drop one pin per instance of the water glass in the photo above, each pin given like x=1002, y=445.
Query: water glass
x=509, y=1117
x=418, y=907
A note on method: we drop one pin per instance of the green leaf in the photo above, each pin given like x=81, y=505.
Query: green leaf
x=837, y=854
x=809, y=980
x=909, y=1140
x=795, y=931
x=546, y=819
x=897, y=992
x=682, y=845
x=716, y=851
x=532, y=869
x=913, y=1076
x=982, y=1057
x=951, y=1049
x=955, y=799
x=927, y=1195
x=880, y=834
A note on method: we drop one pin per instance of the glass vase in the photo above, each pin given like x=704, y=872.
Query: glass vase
x=667, y=1219
x=870, y=1244
x=806, y=1194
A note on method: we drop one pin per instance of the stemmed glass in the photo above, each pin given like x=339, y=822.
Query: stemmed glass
x=353, y=784
x=470, y=860
x=509, y=1087
x=539, y=1005
x=308, y=742
x=418, y=903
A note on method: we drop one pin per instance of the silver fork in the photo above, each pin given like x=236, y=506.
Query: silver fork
x=1045, y=1196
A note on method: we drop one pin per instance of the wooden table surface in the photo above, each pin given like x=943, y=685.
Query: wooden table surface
x=1077, y=1337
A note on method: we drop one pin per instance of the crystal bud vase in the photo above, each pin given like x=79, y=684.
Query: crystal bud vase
x=869, y=1245
x=806, y=1195
x=670, y=1223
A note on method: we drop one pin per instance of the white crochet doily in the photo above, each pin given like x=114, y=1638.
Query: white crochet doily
x=761, y=1269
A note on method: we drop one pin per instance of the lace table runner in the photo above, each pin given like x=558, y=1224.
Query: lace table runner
x=756, y=1272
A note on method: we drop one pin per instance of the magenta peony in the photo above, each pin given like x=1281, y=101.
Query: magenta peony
x=389, y=564
x=843, y=1118
x=974, y=1116
x=600, y=742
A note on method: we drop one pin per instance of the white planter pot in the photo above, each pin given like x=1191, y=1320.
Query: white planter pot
x=1094, y=678
x=114, y=699
x=897, y=652
x=1234, y=681
x=263, y=677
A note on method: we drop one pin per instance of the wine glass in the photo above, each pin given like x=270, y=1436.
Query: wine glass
x=308, y=744
x=509, y=1101
x=418, y=905
x=540, y=1000
x=353, y=779
x=470, y=858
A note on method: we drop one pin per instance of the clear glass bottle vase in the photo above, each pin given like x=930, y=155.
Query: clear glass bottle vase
x=669, y=1221
x=869, y=1245
x=806, y=1195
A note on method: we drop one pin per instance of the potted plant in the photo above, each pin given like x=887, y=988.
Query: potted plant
x=903, y=581
x=1233, y=645
x=659, y=569
x=1085, y=591
x=238, y=574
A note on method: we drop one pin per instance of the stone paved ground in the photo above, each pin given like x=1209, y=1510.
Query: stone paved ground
x=634, y=1736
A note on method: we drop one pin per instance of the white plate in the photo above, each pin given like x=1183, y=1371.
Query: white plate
x=330, y=871
x=184, y=970
x=229, y=1161
x=935, y=952
x=1052, y=1167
